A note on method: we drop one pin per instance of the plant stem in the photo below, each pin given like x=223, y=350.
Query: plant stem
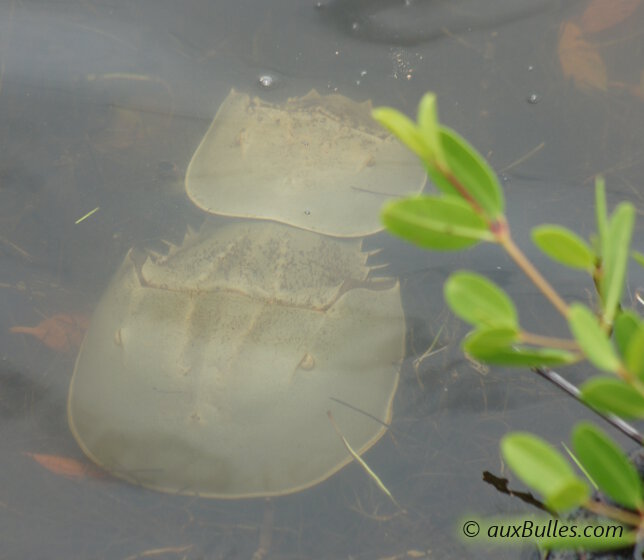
x=613, y=513
x=506, y=241
x=463, y=192
x=627, y=429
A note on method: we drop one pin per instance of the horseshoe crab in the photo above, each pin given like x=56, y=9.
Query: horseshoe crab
x=317, y=162
x=210, y=371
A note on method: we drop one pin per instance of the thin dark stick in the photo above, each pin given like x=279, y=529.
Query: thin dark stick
x=569, y=388
x=374, y=418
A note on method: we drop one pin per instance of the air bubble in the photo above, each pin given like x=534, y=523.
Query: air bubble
x=266, y=81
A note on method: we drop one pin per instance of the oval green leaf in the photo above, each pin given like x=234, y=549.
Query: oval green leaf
x=613, y=537
x=626, y=325
x=467, y=167
x=539, y=465
x=607, y=465
x=564, y=246
x=554, y=533
x=608, y=394
x=405, y=130
x=497, y=346
x=567, y=496
x=518, y=356
x=634, y=354
x=442, y=223
x=429, y=127
x=479, y=301
x=617, y=243
x=591, y=338
x=601, y=215
x=638, y=257
x=490, y=339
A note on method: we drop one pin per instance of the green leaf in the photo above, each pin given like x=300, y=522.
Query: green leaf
x=478, y=301
x=564, y=246
x=429, y=127
x=591, y=338
x=639, y=257
x=443, y=223
x=447, y=155
x=519, y=356
x=614, y=536
x=634, y=354
x=601, y=215
x=543, y=468
x=608, y=394
x=470, y=169
x=608, y=466
x=554, y=533
x=574, y=459
x=491, y=339
x=495, y=346
x=405, y=130
x=626, y=324
x=618, y=239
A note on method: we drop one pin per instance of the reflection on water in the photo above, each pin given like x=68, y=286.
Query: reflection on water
x=102, y=105
x=413, y=23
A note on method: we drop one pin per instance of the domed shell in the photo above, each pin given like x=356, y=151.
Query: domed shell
x=210, y=371
x=319, y=163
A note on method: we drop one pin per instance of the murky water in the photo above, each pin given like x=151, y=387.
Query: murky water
x=102, y=106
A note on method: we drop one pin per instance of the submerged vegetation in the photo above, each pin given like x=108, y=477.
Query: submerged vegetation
x=468, y=210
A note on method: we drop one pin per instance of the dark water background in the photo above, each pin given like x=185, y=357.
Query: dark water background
x=102, y=105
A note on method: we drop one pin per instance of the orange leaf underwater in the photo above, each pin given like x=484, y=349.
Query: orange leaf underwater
x=600, y=15
x=65, y=466
x=61, y=332
x=580, y=60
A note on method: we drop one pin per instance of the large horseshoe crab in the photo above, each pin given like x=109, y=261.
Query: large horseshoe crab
x=210, y=370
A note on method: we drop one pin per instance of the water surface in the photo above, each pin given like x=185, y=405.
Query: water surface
x=103, y=104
